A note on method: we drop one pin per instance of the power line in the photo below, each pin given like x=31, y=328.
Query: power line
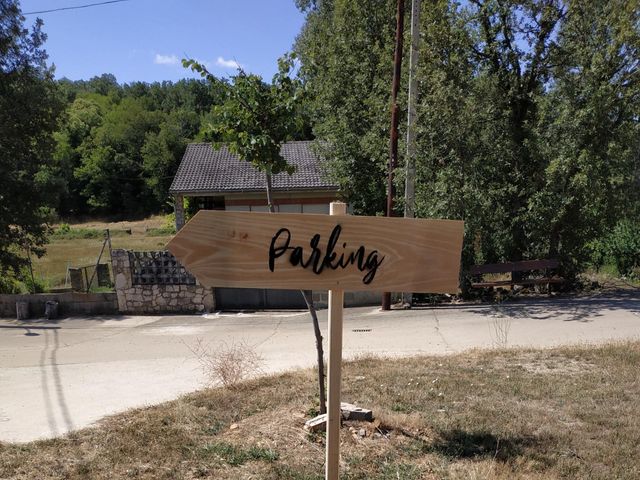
x=76, y=7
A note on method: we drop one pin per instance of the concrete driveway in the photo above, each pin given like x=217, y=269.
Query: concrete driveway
x=63, y=375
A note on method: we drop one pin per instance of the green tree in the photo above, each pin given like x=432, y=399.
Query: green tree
x=346, y=51
x=111, y=167
x=29, y=111
x=83, y=116
x=162, y=151
x=589, y=131
x=120, y=145
x=527, y=122
x=253, y=122
x=256, y=118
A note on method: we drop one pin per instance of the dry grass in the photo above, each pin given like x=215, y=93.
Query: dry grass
x=136, y=226
x=52, y=267
x=511, y=414
x=228, y=364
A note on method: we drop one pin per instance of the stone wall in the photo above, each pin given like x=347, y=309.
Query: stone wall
x=154, y=297
x=69, y=304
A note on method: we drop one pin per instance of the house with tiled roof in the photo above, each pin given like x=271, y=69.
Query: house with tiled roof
x=219, y=180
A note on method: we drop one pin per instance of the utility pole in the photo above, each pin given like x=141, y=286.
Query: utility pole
x=410, y=174
x=393, y=150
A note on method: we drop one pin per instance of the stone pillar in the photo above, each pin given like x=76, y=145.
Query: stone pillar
x=209, y=300
x=179, y=210
x=122, y=276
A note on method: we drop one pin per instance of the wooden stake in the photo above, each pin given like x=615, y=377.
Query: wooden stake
x=336, y=303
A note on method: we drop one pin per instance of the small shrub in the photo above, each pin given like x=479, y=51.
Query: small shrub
x=598, y=253
x=623, y=245
x=32, y=285
x=228, y=364
x=11, y=285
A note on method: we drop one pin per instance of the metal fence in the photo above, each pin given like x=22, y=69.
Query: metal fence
x=158, y=268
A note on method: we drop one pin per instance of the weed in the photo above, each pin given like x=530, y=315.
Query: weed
x=500, y=327
x=228, y=364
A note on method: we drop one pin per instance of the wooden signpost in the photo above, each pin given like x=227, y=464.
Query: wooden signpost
x=321, y=252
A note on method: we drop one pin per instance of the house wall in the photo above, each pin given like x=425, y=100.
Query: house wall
x=287, y=208
x=284, y=202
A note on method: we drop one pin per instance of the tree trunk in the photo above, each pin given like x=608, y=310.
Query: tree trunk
x=269, y=199
x=308, y=298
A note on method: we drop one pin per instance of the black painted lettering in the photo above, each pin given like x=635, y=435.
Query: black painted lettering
x=363, y=261
x=279, y=251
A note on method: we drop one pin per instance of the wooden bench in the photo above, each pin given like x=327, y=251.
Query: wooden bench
x=516, y=268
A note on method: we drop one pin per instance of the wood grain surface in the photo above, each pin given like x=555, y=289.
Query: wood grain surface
x=232, y=249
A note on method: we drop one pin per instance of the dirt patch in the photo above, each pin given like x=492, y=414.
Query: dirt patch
x=558, y=365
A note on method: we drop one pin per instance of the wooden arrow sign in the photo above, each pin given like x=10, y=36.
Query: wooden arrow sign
x=320, y=252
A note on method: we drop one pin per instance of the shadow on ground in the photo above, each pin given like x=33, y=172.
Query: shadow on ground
x=460, y=444
x=568, y=309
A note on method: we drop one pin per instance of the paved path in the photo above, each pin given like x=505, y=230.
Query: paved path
x=59, y=376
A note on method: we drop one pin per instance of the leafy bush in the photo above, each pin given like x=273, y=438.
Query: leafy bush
x=10, y=284
x=623, y=246
x=34, y=285
x=21, y=283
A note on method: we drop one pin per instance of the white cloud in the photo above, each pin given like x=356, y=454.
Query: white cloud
x=221, y=62
x=165, y=59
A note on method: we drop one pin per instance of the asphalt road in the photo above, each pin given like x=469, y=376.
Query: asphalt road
x=63, y=375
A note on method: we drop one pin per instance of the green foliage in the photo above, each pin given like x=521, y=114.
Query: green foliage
x=256, y=118
x=120, y=145
x=346, y=52
x=527, y=117
x=11, y=285
x=20, y=282
x=31, y=284
x=29, y=109
x=623, y=246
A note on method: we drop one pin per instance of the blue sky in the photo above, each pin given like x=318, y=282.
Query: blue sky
x=146, y=39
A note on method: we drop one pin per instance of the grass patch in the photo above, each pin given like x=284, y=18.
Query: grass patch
x=84, y=233
x=79, y=245
x=504, y=414
x=235, y=456
x=161, y=231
